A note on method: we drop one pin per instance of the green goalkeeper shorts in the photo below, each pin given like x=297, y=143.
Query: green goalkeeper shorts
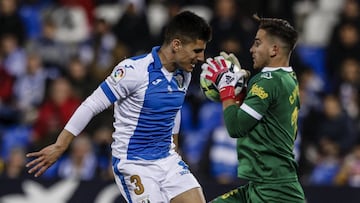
x=264, y=193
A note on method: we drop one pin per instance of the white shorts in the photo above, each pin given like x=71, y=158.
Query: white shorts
x=155, y=181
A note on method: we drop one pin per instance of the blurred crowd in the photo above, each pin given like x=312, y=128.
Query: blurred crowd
x=54, y=53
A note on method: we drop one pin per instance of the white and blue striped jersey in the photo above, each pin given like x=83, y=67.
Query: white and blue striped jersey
x=146, y=101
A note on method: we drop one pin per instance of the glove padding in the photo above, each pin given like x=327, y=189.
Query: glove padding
x=231, y=57
x=239, y=98
x=217, y=71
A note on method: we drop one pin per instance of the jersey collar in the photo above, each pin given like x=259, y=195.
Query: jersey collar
x=155, y=55
x=267, y=69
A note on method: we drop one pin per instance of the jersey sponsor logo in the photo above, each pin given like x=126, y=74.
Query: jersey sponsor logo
x=293, y=75
x=259, y=91
x=129, y=66
x=266, y=75
x=229, y=194
x=169, y=89
x=157, y=81
x=185, y=168
x=229, y=79
x=144, y=199
x=118, y=74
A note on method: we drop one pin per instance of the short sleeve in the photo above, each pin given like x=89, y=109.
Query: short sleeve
x=124, y=79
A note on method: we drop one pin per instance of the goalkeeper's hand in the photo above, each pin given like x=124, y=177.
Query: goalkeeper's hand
x=217, y=71
x=231, y=57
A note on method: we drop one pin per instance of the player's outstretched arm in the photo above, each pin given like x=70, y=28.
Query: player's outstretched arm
x=46, y=157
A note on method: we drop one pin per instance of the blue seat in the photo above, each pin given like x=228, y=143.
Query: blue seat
x=314, y=57
x=196, y=139
x=14, y=136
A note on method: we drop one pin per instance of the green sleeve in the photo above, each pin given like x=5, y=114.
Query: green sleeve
x=237, y=121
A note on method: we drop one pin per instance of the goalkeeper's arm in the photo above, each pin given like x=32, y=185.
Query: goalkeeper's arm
x=237, y=121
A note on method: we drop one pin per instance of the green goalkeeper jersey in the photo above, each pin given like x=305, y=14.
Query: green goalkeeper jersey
x=266, y=126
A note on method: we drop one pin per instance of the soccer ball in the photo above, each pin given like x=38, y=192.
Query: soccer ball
x=209, y=89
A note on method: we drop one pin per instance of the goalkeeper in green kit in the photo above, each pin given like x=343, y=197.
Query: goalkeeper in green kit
x=265, y=123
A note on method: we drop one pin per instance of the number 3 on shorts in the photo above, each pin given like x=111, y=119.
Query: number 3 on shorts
x=139, y=189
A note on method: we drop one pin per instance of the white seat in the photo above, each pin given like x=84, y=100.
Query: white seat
x=72, y=24
x=200, y=10
x=157, y=15
x=110, y=12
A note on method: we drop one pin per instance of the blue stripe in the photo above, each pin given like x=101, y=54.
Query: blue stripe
x=115, y=162
x=157, y=61
x=138, y=57
x=109, y=94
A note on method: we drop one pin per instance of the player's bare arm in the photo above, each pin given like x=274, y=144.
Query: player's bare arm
x=46, y=157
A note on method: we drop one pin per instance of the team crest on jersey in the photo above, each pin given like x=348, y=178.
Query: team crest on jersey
x=259, y=91
x=266, y=75
x=179, y=77
x=118, y=74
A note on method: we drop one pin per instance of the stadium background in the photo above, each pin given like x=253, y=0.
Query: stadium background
x=53, y=53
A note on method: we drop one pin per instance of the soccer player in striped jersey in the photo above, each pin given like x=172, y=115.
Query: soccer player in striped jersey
x=265, y=124
x=147, y=92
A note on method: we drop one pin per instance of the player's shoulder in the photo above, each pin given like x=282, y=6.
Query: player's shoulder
x=272, y=74
x=269, y=81
x=137, y=62
x=263, y=77
x=265, y=81
x=131, y=68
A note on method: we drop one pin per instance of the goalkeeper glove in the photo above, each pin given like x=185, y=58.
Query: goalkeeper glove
x=231, y=57
x=217, y=71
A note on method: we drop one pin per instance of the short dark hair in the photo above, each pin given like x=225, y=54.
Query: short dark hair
x=279, y=28
x=187, y=27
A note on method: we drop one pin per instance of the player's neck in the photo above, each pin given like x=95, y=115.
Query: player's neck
x=166, y=58
x=279, y=62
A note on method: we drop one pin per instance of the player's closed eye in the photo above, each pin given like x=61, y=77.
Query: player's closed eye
x=197, y=51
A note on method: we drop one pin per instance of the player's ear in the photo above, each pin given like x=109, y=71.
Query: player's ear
x=274, y=50
x=176, y=45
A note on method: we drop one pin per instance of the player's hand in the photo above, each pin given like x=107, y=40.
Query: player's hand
x=43, y=159
x=217, y=71
x=231, y=57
